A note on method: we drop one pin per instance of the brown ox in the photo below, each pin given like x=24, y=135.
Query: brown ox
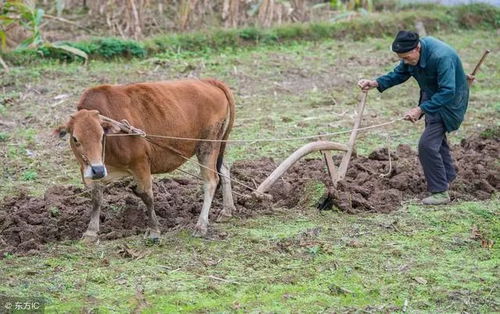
x=201, y=109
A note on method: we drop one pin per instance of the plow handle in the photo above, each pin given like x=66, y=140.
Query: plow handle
x=469, y=81
x=486, y=52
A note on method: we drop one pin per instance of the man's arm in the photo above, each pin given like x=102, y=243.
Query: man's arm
x=399, y=75
x=446, y=87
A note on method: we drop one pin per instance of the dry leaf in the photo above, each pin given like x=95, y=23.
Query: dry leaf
x=420, y=280
x=477, y=235
x=487, y=244
x=236, y=305
x=338, y=290
x=355, y=244
x=127, y=252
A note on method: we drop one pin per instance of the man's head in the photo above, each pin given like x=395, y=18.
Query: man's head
x=407, y=46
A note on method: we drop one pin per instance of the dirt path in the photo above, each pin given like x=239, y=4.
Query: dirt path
x=27, y=223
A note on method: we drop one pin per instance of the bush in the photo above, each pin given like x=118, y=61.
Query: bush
x=290, y=32
x=105, y=48
x=22, y=56
x=251, y=33
x=112, y=47
x=478, y=15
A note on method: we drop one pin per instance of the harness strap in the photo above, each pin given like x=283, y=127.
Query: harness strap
x=103, y=148
x=125, y=126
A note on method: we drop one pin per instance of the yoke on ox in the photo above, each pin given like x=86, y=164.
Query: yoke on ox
x=199, y=109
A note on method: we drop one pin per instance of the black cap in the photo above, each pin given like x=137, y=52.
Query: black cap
x=405, y=41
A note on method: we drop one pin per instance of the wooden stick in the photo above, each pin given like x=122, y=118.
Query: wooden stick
x=327, y=155
x=476, y=68
x=292, y=159
x=347, y=156
x=486, y=52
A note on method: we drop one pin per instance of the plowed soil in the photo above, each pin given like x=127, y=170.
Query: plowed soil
x=372, y=184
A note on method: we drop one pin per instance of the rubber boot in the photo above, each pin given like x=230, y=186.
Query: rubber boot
x=439, y=198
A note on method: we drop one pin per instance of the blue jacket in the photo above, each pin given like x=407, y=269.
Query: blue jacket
x=441, y=77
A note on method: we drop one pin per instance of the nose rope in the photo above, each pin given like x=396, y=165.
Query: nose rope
x=103, y=155
x=85, y=158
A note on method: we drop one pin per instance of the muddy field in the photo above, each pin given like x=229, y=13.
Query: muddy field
x=372, y=184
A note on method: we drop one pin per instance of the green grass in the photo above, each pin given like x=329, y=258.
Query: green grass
x=301, y=260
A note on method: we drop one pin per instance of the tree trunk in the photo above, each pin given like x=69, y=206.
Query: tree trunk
x=136, y=21
x=266, y=12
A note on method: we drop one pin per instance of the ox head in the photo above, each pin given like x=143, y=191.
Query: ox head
x=87, y=133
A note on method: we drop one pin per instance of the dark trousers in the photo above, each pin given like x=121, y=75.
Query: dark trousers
x=434, y=155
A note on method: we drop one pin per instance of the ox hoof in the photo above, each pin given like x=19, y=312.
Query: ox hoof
x=90, y=237
x=224, y=215
x=152, y=237
x=200, y=230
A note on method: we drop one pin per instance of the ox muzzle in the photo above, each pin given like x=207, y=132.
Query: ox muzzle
x=95, y=172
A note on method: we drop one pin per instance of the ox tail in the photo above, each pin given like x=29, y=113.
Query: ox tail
x=228, y=123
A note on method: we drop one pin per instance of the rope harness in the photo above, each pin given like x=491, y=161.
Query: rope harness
x=130, y=130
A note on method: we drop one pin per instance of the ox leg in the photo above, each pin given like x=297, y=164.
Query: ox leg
x=227, y=194
x=93, y=228
x=207, y=158
x=144, y=190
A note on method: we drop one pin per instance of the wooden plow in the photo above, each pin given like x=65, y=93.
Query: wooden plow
x=323, y=146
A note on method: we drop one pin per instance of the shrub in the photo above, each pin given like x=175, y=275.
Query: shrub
x=290, y=32
x=107, y=48
x=113, y=47
x=250, y=33
x=478, y=15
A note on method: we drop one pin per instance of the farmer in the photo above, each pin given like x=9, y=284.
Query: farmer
x=444, y=94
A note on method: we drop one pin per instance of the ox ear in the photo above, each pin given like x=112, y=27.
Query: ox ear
x=110, y=128
x=60, y=131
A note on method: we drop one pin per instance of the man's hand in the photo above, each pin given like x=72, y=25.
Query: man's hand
x=470, y=78
x=413, y=115
x=367, y=84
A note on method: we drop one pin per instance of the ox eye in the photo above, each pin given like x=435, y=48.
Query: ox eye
x=75, y=140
